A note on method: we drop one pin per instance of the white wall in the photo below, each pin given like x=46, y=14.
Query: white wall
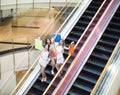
x=7, y=68
x=8, y=2
x=21, y=61
x=25, y=1
x=10, y=85
x=11, y=4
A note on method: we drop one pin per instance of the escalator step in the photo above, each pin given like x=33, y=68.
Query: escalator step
x=33, y=92
x=82, y=85
x=102, y=49
x=77, y=91
x=106, y=46
x=92, y=71
x=101, y=65
x=101, y=56
x=87, y=79
x=78, y=34
x=107, y=43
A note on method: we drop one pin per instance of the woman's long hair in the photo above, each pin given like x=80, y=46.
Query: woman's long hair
x=46, y=43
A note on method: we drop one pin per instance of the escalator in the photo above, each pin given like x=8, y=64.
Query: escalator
x=39, y=87
x=90, y=73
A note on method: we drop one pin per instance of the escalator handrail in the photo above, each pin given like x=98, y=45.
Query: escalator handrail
x=57, y=90
x=39, y=56
x=105, y=69
x=68, y=72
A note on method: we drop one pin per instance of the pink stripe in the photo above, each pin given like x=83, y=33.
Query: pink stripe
x=87, y=48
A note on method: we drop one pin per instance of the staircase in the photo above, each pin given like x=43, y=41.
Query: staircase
x=39, y=87
x=98, y=59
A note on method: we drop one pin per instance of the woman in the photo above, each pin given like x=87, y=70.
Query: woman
x=43, y=61
x=52, y=51
x=53, y=55
x=60, y=51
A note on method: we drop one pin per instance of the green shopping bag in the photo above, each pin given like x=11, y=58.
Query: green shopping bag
x=38, y=44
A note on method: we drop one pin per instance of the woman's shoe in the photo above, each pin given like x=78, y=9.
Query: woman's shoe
x=42, y=79
x=45, y=79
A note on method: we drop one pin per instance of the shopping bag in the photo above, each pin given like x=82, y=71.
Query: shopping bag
x=38, y=44
x=71, y=48
x=57, y=37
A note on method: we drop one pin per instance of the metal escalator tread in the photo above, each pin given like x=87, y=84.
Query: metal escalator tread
x=90, y=71
x=93, y=7
x=80, y=28
x=70, y=40
x=98, y=63
x=76, y=33
x=77, y=28
x=81, y=85
x=111, y=36
x=33, y=92
x=115, y=36
x=113, y=29
x=88, y=79
x=105, y=46
x=96, y=59
x=91, y=14
x=109, y=39
x=87, y=17
x=107, y=43
x=102, y=49
x=83, y=22
x=103, y=57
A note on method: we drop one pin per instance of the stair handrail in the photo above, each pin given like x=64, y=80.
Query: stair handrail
x=34, y=63
x=80, y=51
x=57, y=74
x=105, y=68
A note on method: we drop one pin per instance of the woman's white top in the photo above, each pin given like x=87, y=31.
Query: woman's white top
x=60, y=57
x=44, y=58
